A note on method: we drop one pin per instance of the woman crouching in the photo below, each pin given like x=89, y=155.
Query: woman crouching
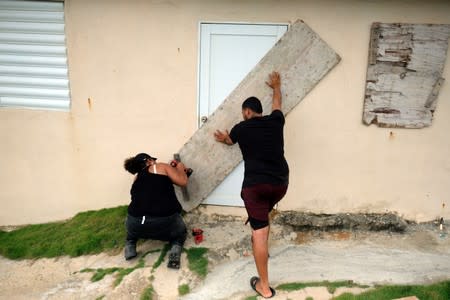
x=154, y=211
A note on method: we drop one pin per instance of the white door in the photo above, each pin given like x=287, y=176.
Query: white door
x=228, y=52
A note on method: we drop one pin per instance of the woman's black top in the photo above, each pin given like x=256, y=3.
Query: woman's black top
x=153, y=195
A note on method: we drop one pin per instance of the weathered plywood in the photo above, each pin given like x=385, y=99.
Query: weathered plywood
x=406, y=62
x=302, y=58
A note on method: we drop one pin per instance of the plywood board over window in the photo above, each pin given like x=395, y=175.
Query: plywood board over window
x=404, y=73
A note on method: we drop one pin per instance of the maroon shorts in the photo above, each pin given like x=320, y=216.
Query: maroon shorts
x=260, y=199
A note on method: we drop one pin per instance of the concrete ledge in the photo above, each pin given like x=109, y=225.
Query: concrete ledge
x=369, y=222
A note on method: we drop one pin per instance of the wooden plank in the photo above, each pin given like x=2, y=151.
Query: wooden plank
x=404, y=72
x=184, y=190
x=302, y=58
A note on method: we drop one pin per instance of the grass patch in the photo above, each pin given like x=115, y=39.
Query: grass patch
x=437, y=291
x=160, y=259
x=331, y=286
x=119, y=272
x=197, y=262
x=124, y=272
x=100, y=273
x=148, y=293
x=88, y=232
x=183, y=289
x=309, y=298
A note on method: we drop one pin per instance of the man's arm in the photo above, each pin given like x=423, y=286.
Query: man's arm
x=223, y=137
x=275, y=83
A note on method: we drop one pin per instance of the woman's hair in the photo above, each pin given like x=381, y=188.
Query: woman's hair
x=136, y=163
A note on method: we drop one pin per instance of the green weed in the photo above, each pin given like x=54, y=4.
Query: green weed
x=160, y=259
x=183, y=289
x=148, y=293
x=100, y=273
x=197, y=262
x=331, y=286
x=437, y=291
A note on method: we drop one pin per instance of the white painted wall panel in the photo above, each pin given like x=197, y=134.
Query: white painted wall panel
x=31, y=38
x=33, y=81
x=32, y=5
x=32, y=27
x=34, y=71
x=57, y=61
x=33, y=49
x=52, y=104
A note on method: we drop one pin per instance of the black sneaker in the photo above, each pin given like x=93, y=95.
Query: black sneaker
x=174, y=257
x=130, y=250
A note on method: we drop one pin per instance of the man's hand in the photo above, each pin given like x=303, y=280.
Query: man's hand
x=274, y=80
x=275, y=83
x=223, y=137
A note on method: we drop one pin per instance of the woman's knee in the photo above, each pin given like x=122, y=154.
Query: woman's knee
x=179, y=230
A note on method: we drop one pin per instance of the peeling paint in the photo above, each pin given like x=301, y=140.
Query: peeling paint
x=404, y=72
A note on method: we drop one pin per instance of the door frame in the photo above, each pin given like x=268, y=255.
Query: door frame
x=199, y=40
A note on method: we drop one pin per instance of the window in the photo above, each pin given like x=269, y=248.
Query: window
x=33, y=60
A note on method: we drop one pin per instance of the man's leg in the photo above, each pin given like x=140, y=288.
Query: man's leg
x=260, y=247
x=259, y=201
x=258, y=205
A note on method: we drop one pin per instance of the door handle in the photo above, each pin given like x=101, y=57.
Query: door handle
x=204, y=119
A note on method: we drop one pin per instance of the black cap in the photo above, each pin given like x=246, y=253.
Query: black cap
x=144, y=156
x=254, y=104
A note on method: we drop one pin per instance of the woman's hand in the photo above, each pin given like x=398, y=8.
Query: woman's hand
x=177, y=174
x=180, y=166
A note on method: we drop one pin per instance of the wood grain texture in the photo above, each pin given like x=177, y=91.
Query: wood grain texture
x=404, y=72
x=302, y=58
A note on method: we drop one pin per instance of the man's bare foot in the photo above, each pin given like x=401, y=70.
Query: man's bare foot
x=265, y=292
x=268, y=292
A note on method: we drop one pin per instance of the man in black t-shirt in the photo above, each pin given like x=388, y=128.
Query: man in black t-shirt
x=266, y=176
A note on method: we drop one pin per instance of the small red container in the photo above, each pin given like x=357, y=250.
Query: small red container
x=198, y=235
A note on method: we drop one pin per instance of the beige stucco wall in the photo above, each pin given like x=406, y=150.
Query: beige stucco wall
x=137, y=63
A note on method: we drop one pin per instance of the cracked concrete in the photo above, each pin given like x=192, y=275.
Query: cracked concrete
x=417, y=255
x=362, y=262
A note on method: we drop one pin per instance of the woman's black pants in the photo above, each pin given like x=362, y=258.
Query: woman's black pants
x=171, y=229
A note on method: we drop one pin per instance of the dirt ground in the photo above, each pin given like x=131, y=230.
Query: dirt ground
x=419, y=255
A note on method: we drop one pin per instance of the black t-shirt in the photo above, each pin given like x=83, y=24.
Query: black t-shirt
x=153, y=195
x=262, y=145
